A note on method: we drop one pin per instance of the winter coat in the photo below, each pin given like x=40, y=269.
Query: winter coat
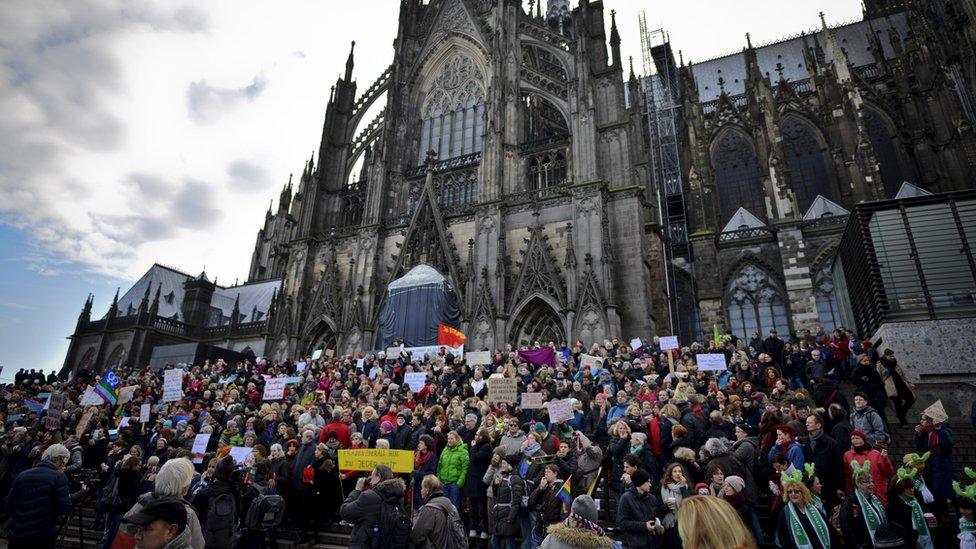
x=39, y=496
x=403, y=437
x=746, y=450
x=881, y=471
x=512, y=444
x=731, y=465
x=695, y=425
x=940, y=469
x=362, y=509
x=852, y=526
x=549, y=506
x=587, y=464
x=304, y=458
x=431, y=522
x=195, y=532
x=183, y=540
x=829, y=464
x=479, y=457
x=900, y=512
x=452, y=466
x=677, y=492
x=869, y=421
x=563, y=536
x=371, y=432
x=895, y=380
x=508, y=504
x=633, y=512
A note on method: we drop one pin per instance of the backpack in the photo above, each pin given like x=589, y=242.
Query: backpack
x=392, y=531
x=112, y=499
x=266, y=511
x=221, y=516
x=455, y=536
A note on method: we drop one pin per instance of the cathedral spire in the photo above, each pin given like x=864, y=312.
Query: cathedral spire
x=154, y=308
x=144, y=304
x=85, y=315
x=614, y=39
x=350, y=63
x=113, y=310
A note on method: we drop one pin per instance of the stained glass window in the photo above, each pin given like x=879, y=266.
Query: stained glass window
x=886, y=151
x=737, y=176
x=808, y=169
x=454, y=109
x=823, y=292
x=755, y=303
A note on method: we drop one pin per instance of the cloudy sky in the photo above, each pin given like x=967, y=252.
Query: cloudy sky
x=134, y=132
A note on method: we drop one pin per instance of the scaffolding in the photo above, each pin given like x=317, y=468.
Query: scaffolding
x=662, y=108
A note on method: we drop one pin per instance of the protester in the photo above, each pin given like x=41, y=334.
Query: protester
x=862, y=512
x=435, y=518
x=363, y=508
x=706, y=522
x=161, y=524
x=802, y=524
x=38, y=499
x=638, y=512
x=172, y=481
x=579, y=530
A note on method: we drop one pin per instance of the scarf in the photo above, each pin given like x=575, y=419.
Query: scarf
x=872, y=512
x=421, y=458
x=932, y=438
x=919, y=524
x=636, y=449
x=966, y=526
x=800, y=537
x=576, y=521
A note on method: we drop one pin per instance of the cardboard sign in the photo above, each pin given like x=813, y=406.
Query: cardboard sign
x=479, y=358
x=560, y=410
x=126, y=394
x=144, y=412
x=242, y=455
x=393, y=352
x=83, y=424
x=936, y=412
x=669, y=342
x=329, y=353
x=532, y=401
x=274, y=389
x=172, y=385
x=710, y=362
x=502, y=389
x=594, y=362
x=400, y=461
x=200, y=447
x=91, y=398
x=56, y=405
x=316, y=354
x=636, y=343
x=415, y=380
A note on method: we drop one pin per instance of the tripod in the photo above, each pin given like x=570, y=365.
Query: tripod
x=75, y=509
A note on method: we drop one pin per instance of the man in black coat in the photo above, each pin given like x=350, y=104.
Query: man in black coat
x=38, y=499
x=828, y=460
x=774, y=347
x=638, y=512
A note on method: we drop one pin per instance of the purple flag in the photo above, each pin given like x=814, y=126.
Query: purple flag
x=541, y=357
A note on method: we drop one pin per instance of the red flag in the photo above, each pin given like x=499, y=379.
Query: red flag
x=451, y=337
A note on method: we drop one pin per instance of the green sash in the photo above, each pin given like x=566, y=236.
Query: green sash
x=919, y=524
x=800, y=537
x=872, y=511
x=966, y=526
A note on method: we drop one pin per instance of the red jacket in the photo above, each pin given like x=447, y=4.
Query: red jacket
x=341, y=430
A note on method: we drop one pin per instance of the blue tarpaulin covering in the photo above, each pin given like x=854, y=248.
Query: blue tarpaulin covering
x=415, y=304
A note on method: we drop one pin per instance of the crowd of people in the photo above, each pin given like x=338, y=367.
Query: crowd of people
x=657, y=453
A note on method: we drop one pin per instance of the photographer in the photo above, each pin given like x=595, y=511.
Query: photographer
x=38, y=499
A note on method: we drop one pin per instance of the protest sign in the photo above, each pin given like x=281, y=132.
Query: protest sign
x=124, y=422
x=242, y=455
x=419, y=353
x=560, y=410
x=936, y=412
x=172, y=385
x=531, y=401
x=636, y=343
x=594, y=362
x=360, y=362
x=669, y=342
x=502, y=389
x=56, y=405
x=274, y=389
x=329, y=353
x=316, y=354
x=478, y=358
x=83, y=424
x=144, y=411
x=91, y=398
x=415, y=380
x=400, y=461
x=710, y=362
x=393, y=352
x=294, y=380
x=200, y=447
x=126, y=394
x=300, y=367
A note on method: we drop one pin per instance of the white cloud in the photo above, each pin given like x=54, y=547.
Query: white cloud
x=137, y=131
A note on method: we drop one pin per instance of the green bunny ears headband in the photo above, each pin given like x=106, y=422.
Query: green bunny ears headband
x=915, y=459
x=969, y=473
x=811, y=470
x=904, y=473
x=967, y=492
x=795, y=476
x=860, y=470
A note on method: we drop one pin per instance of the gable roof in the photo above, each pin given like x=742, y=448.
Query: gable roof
x=909, y=190
x=821, y=207
x=742, y=219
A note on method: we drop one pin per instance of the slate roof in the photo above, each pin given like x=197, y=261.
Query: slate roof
x=908, y=190
x=742, y=219
x=821, y=207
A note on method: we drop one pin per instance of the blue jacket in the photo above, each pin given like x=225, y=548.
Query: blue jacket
x=39, y=496
x=794, y=453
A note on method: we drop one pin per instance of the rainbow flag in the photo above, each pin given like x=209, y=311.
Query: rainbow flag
x=106, y=388
x=565, y=496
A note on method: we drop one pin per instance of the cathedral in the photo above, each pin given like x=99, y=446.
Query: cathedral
x=563, y=197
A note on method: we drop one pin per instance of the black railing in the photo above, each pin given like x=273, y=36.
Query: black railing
x=745, y=234
x=448, y=164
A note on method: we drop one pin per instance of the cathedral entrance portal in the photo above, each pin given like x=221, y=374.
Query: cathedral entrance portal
x=537, y=322
x=324, y=337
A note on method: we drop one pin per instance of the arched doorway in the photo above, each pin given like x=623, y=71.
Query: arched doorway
x=535, y=322
x=323, y=337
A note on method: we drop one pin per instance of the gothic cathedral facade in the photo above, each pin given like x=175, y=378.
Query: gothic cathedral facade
x=503, y=154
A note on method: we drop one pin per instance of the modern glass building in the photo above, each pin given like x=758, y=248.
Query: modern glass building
x=907, y=259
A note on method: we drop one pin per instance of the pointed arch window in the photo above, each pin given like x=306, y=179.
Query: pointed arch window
x=885, y=145
x=453, y=110
x=805, y=157
x=824, y=294
x=737, y=175
x=755, y=303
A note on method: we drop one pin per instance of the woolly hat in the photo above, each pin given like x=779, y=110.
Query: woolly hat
x=225, y=468
x=585, y=507
x=386, y=426
x=540, y=427
x=736, y=483
x=859, y=433
x=701, y=489
x=786, y=429
x=639, y=477
x=746, y=427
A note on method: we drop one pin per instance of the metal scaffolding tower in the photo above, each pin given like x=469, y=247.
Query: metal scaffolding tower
x=662, y=108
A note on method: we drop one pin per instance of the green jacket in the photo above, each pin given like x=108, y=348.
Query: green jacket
x=453, y=465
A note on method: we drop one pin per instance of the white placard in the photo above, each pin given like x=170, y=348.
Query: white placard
x=124, y=422
x=710, y=362
x=300, y=367
x=478, y=358
x=126, y=393
x=636, y=343
x=392, y=353
x=560, y=410
x=360, y=362
x=415, y=380
x=172, y=385
x=91, y=398
x=316, y=354
x=532, y=401
x=242, y=455
x=669, y=342
x=274, y=389
x=144, y=411
x=55, y=404
x=200, y=447
x=419, y=353
x=594, y=362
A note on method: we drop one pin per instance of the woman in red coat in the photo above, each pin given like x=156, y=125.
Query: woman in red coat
x=881, y=469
